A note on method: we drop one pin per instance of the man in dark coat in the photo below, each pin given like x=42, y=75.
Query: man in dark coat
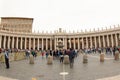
x=7, y=59
x=71, y=57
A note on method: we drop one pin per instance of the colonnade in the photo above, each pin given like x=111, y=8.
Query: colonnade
x=45, y=43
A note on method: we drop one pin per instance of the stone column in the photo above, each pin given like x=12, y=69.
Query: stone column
x=50, y=43
x=46, y=43
x=25, y=42
x=74, y=43
x=112, y=40
x=4, y=42
x=38, y=43
x=99, y=42
x=0, y=40
x=8, y=44
x=116, y=39
x=103, y=41
x=70, y=42
x=55, y=43
x=86, y=42
x=65, y=43
x=108, y=41
x=17, y=42
x=21, y=43
x=13, y=42
x=82, y=43
x=42, y=44
x=119, y=40
x=78, y=43
x=29, y=43
x=91, y=42
x=33, y=43
x=95, y=41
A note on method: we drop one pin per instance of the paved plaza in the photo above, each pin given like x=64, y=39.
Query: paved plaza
x=93, y=70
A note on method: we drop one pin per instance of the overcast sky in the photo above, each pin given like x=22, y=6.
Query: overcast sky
x=49, y=15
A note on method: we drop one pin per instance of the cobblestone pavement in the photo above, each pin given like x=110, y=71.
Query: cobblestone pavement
x=93, y=70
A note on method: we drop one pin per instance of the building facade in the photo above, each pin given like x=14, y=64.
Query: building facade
x=16, y=24
x=11, y=37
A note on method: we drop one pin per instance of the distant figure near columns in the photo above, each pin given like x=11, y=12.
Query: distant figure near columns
x=31, y=59
x=66, y=59
x=49, y=60
x=101, y=57
x=7, y=59
x=85, y=60
x=117, y=55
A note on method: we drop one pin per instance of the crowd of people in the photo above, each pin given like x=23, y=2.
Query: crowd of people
x=106, y=50
x=59, y=54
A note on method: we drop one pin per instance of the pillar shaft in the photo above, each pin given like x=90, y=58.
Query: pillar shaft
x=17, y=42
x=50, y=43
x=0, y=40
x=95, y=41
x=29, y=43
x=70, y=42
x=112, y=40
x=86, y=42
x=99, y=42
x=103, y=41
x=108, y=44
x=25, y=43
x=82, y=43
x=91, y=42
x=38, y=44
x=74, y=43
x=55, y=43
x=65, y=43
x=21, y=43
x=78, y=43
x=116, y=39
x=4, y=42
x=34, y=43
x=8, y=44
x=46, y=44
x=42, y=44
x=13, y=42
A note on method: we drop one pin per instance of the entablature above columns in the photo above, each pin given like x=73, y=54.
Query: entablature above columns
x=53, y=35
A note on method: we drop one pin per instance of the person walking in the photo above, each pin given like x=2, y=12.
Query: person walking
x=71, y=57
x=7, y=59
x=61, y=56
